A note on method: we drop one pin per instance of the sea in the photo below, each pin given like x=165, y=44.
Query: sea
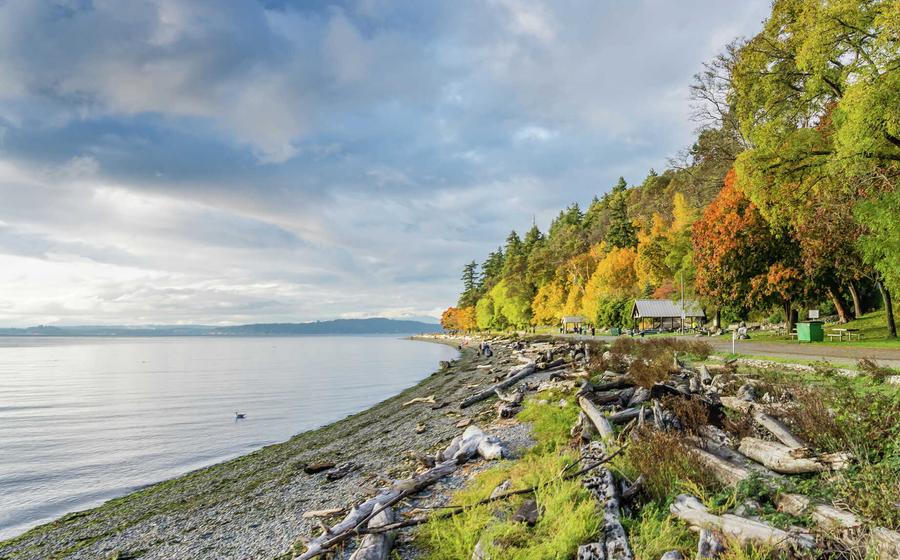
x=83, y=420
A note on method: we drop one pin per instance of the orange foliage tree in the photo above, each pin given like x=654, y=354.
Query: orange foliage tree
x=740, y=259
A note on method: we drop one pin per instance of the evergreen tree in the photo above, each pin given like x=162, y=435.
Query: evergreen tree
x=621, y=232
x=470, y=285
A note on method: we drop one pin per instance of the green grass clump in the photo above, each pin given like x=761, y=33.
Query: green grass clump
x=569, y=515
x=550, y=423
x=654, y=532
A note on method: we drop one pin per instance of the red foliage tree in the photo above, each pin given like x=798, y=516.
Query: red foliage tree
x=740, y=260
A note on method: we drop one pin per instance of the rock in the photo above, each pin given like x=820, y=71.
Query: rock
x=340, y=471
x=420, y=428
x=527, y=513
x=314, y=468
x=747, y=392
x=672, y=555
x=464, y=422
x=501, y=488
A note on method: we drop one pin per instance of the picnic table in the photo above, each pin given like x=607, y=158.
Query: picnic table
x=841, y=333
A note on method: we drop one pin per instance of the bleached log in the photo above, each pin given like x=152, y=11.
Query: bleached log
x=724, y=471
x=709, y=545
x=604, y=428
x=885, y=542
x=473, y=440
x=462, y=448
x=778, y=429
x=376, y=546
x=362, y=514
x=824, y=516
x=745, y=531
x=601, y=484
x=734, y=403
x=322, y=513
x=783, y=459
x=521, y=373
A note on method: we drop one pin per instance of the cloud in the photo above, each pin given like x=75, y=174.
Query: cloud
x=227, y=161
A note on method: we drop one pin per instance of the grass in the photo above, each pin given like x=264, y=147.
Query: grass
x=872, y=326
x=569, y=515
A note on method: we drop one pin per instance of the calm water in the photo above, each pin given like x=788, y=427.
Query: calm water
x=83, y=420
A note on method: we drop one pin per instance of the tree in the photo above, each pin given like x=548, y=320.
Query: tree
x=491, y=270
x=621, y=232
x=740, y=259
x=547, y=306
x=880, y=246
x=613, y=278
x=470, y=285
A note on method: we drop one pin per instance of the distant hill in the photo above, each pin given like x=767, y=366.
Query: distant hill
x=378, y=325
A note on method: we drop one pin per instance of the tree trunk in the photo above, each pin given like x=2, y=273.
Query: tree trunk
x=888, y=309
x=717, y=322
x=788, y=316
x=857, y=305
x=839, y=305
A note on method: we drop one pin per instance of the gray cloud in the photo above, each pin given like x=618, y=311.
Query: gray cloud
x=243, y=161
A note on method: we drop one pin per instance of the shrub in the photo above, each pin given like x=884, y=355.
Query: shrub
x=871, y=368
x=692, y=413
x=666, y=463
x=647, y=372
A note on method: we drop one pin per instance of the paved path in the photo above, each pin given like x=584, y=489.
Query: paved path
x=838, y=355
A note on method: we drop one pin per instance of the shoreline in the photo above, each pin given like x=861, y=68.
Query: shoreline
x=207, y=499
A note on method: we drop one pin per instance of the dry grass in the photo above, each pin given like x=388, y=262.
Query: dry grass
x=871, y=368
x=666, y=463
x=648, y=372
x=692, y=413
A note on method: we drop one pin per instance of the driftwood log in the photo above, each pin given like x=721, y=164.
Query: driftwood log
x=518, y=375
x=376, y=546
x=614, y=543
x=602, y=425
x=746, y=531
x=787, y=460
x=473, y=441
x=824, y=516
x=709, y=545
x=773, y=425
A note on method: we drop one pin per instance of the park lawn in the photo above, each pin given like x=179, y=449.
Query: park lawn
x=872, y=326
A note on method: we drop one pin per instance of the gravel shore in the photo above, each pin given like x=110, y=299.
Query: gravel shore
x=252, y=506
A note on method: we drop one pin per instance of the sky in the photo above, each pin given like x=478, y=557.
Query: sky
x=221, y=162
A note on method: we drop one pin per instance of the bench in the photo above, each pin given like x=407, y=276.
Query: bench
x=833, y=336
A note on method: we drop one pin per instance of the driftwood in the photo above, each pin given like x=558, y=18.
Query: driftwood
x=376, y=546
x=745, y=531
x=824, y=516
x=709, y=545
x=604, y=428
x=520, y=373
x=364, y=512
x=885, y=542
x=429, y=399
x=619, y=382
x=473, y=441
x=640, y=395
x=773, y=425
x=625, y=415
x=614, y=545
x=783, y=459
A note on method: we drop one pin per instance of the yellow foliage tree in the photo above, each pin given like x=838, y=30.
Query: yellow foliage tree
x=614, y=277
x=547, y=307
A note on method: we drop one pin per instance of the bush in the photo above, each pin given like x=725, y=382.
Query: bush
x=666, y=463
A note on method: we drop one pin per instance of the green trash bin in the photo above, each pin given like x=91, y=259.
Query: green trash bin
x=615, y=331
x=810, y=331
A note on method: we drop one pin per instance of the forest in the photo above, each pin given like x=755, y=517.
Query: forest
x=788, y=198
